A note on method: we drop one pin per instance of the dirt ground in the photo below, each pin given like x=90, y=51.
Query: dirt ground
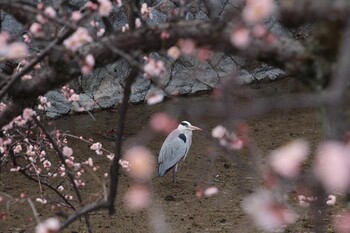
x=175, y=208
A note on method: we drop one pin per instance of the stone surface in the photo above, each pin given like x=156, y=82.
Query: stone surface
x=59, y=104
x=187, y=75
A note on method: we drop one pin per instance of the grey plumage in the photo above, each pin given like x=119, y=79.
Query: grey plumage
x=175, y=148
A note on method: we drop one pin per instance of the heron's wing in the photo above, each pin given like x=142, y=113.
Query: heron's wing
x=173, y=149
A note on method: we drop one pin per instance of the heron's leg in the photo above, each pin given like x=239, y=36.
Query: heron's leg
x=174, y=174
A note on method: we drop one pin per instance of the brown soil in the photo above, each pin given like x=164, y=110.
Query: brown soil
x=177, y=207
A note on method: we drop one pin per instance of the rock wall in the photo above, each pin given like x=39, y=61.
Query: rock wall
x=104, y=87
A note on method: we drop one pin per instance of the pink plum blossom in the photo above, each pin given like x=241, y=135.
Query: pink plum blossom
x=124, y=164
x=303, y=202
x=240, y=37
x=76, y=16
x=342, y=222
x=50, y=12
x=137, y=197
x=187, y=46
x=105, y=7
x=162, y=123
x=96, y=146
x=119, y=3
x=74, y=98
x=141, y=161
x=219, y=132
x=18, y=149
x=154, y=98
x=145, y=11
x=331, y=200
x=28, y=113
x=17, y=50
x=47, y=164
x=125, y=28
x=100, y=32
x=266, y=212
x=111, y=157
x=203, y=53
x=138, y=22
x=256, y=11
x=67, y=151
x=286, y=161
x=211, y=191
x=89, y=63
x=154, y=68
x=51, y=225
x=332, y=166
x=80, y=37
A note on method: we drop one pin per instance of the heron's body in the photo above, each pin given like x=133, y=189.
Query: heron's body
x=175, y=148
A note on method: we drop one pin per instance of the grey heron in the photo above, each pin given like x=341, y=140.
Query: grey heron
x=175, y=147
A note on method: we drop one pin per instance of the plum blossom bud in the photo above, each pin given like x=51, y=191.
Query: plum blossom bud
x=15, y=169
x=41, y=200
x=164, y=35
x=51, y=225
x=142, y=163
x=90, y=162
x=36, y=30
x=60, y=188
x=138, y=22
x=210, y=191
x=105, y=7
x=137, y=197
x=174, y=52
x=67, y=151
x=125, y=28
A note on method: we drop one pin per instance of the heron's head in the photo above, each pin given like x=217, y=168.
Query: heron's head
x=185, y=125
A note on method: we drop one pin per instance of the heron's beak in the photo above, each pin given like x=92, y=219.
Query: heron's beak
x=195, y=127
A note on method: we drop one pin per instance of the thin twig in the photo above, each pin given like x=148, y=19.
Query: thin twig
x=69, y=172
x=114, y=170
